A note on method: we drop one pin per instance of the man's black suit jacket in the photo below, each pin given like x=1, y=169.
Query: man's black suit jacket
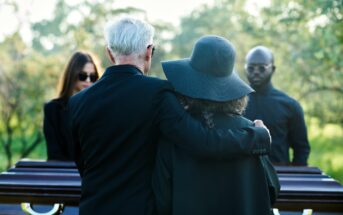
x=115, y=126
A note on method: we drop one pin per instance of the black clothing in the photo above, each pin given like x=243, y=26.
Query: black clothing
x=55, y=131
x=115, y=126
x=284, y=118
x=183, y=185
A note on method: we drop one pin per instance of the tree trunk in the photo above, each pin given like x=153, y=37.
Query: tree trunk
x=35, y=143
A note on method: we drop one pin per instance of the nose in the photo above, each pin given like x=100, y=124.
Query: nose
x=255, y=70
x=252, y=70
x=88, y=79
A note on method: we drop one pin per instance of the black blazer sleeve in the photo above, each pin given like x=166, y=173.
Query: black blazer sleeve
x=179, y=127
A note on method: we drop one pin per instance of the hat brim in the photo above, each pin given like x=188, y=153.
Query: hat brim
x=189, y=82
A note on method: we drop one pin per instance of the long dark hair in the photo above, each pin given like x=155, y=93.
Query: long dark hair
x=70, y=75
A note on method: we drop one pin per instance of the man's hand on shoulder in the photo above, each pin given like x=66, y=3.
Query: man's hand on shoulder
x=262, y=144
x=259, y=123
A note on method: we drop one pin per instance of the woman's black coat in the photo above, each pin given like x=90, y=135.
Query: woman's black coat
x=55, y=131
x=184, y=185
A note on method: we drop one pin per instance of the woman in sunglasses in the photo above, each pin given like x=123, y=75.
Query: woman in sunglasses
x=80, y=72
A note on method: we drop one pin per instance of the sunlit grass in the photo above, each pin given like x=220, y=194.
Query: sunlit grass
x=327, y=149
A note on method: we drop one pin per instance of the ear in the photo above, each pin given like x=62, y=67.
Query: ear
x=110, y=55
x=273, y=69
x=148, y=54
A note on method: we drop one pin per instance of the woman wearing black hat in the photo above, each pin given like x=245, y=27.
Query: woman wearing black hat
x=212, y=92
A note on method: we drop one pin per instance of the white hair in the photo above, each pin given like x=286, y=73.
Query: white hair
x=128, y=36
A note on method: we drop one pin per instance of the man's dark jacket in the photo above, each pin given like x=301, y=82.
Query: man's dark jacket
x=115, y=126
x=285, y=120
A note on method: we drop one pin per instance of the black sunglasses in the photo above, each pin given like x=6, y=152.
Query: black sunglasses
x=153, y=49
x=84, y=75
x=260, y=68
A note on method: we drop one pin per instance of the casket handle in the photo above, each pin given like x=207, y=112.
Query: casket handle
x=276, y=211
x=305, y=211
x=56, y=209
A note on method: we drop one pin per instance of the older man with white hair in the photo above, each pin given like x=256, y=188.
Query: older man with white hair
x=116, y=123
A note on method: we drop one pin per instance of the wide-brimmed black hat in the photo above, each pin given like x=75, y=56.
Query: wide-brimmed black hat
x=209, y=72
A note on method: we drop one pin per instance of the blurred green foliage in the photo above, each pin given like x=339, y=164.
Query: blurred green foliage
x=327, y=148
x=305, y=36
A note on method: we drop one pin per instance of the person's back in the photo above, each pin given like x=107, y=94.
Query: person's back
x=114, y=158
x=183, y=184
x=236, y=186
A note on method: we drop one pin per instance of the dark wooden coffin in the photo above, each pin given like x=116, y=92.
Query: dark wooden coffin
x=308, y=188
x=46, y=183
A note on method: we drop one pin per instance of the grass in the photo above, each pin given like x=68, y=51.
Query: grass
x=327, y=149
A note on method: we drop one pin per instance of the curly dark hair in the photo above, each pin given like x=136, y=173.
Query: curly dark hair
x=207, y=107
